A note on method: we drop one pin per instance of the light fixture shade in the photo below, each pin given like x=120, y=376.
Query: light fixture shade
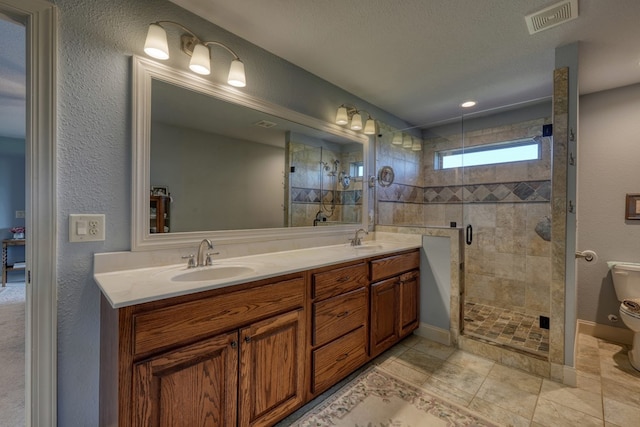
x=236, y=74
x=370, y=127
x=200, y=61
x=356, y=122
x=417, y=145
x=407, y=142
x=397, y=139
x=341, y=116
x=156, y=44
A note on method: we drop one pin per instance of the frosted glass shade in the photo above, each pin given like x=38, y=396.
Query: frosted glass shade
x=407, y=142
x=370, y=127
x=356, y=122
x=200, y=61
x=341, y=116
x=417, y=145
x=156, y=44
x=236, y=74
x=397, y=139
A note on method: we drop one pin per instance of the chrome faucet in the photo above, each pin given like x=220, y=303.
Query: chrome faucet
x=204, y=245
x=357, y=240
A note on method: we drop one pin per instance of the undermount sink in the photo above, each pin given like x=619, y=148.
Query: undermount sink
x=368, y=247
x=213, y=273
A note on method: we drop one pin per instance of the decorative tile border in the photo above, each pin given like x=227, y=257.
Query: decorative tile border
x=503, y=192
x=312, y=195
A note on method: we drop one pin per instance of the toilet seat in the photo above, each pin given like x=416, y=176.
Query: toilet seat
x=628, y=311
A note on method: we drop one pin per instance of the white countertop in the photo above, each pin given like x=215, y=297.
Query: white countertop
x=123, y=288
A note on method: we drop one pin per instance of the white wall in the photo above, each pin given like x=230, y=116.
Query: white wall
x=608, y=168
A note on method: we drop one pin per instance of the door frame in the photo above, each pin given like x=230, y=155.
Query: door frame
x=40, y=18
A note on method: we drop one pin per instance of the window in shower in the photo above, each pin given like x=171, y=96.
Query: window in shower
x=489, y=154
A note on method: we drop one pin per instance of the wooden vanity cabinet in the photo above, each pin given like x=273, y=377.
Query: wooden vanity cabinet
x=218, y=358
x=394, y=299
x=339, y=323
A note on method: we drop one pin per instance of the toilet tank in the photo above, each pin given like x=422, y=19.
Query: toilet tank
x=626, y=280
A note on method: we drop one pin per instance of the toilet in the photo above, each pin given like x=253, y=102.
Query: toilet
x=626, y=281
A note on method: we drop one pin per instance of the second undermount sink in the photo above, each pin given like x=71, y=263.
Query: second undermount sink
x=216, y=272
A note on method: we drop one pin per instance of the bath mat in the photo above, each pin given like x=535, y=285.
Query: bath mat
x=376, y=398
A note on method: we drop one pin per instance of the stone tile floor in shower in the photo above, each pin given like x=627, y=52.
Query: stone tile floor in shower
x=506, y=327
x=607, y=393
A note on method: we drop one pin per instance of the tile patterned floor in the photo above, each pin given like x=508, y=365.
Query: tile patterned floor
x=506, y=327
x=607, y=394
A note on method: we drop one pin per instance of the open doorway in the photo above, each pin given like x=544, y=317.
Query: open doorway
x=12, y=220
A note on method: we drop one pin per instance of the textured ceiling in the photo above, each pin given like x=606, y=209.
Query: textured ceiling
x=418, y=59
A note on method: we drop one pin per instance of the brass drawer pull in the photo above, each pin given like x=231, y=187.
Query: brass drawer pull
x=344, y=313
x=341, y=358
x=343, y=279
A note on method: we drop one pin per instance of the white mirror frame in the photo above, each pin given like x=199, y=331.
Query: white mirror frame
x=144, y=70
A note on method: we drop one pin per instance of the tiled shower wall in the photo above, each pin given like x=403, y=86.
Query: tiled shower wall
x=508, y=264
x=305, y=185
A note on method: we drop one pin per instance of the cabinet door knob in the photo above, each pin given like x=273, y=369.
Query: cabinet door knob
x=234, y=344
x=247, y=339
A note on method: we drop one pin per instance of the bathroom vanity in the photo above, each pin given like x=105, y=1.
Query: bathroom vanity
x=251, y=350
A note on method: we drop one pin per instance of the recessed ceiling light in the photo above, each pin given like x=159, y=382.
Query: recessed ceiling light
x=468, y=104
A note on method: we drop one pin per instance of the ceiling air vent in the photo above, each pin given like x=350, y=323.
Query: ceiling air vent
x=551, y=16
x=265, y=124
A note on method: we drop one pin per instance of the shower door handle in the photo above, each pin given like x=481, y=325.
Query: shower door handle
x=469, y=234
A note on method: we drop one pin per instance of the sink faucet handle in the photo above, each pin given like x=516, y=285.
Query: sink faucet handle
x=209, y=260
x=192, y=260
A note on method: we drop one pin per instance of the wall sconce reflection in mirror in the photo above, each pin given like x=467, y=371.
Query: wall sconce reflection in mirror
x=156, y=46
x=348, y=113
x=632, y=210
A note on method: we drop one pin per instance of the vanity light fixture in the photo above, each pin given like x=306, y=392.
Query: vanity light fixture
x=407, y=141
x=157, y=47
x=397, y=139
x=348, y=112
x=417, y=145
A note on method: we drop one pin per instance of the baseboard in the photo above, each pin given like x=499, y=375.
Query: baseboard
x=610, y=333
x=433, y=333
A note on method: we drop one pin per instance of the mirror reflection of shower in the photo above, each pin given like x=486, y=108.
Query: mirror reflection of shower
x=330, y=171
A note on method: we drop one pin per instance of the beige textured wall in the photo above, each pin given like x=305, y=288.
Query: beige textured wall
x=508, y=264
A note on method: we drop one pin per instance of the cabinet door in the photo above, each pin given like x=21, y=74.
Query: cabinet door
x=271, y=369
x=384, y=320
x=409, y=315
x=193, y=386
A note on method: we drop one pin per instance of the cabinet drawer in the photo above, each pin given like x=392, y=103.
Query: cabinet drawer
x=393, y=265
x=338, y=359
x=187, y=322
x=338, y=281
x=338, y=315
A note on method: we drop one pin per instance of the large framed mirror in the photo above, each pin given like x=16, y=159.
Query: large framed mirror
x=212, y=162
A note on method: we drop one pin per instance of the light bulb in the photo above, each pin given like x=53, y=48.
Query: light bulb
x=356, y=122
x=407, y=142
x=370, y=127
x=200, y=62
x=236, y=74
x=341, y=116
x=156, y=44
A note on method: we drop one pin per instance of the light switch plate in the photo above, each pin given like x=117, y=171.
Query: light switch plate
x=86, y=227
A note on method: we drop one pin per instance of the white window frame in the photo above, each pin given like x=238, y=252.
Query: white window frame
x=494, y=146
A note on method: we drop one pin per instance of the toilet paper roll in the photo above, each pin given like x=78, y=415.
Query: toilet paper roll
x=589, y=256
